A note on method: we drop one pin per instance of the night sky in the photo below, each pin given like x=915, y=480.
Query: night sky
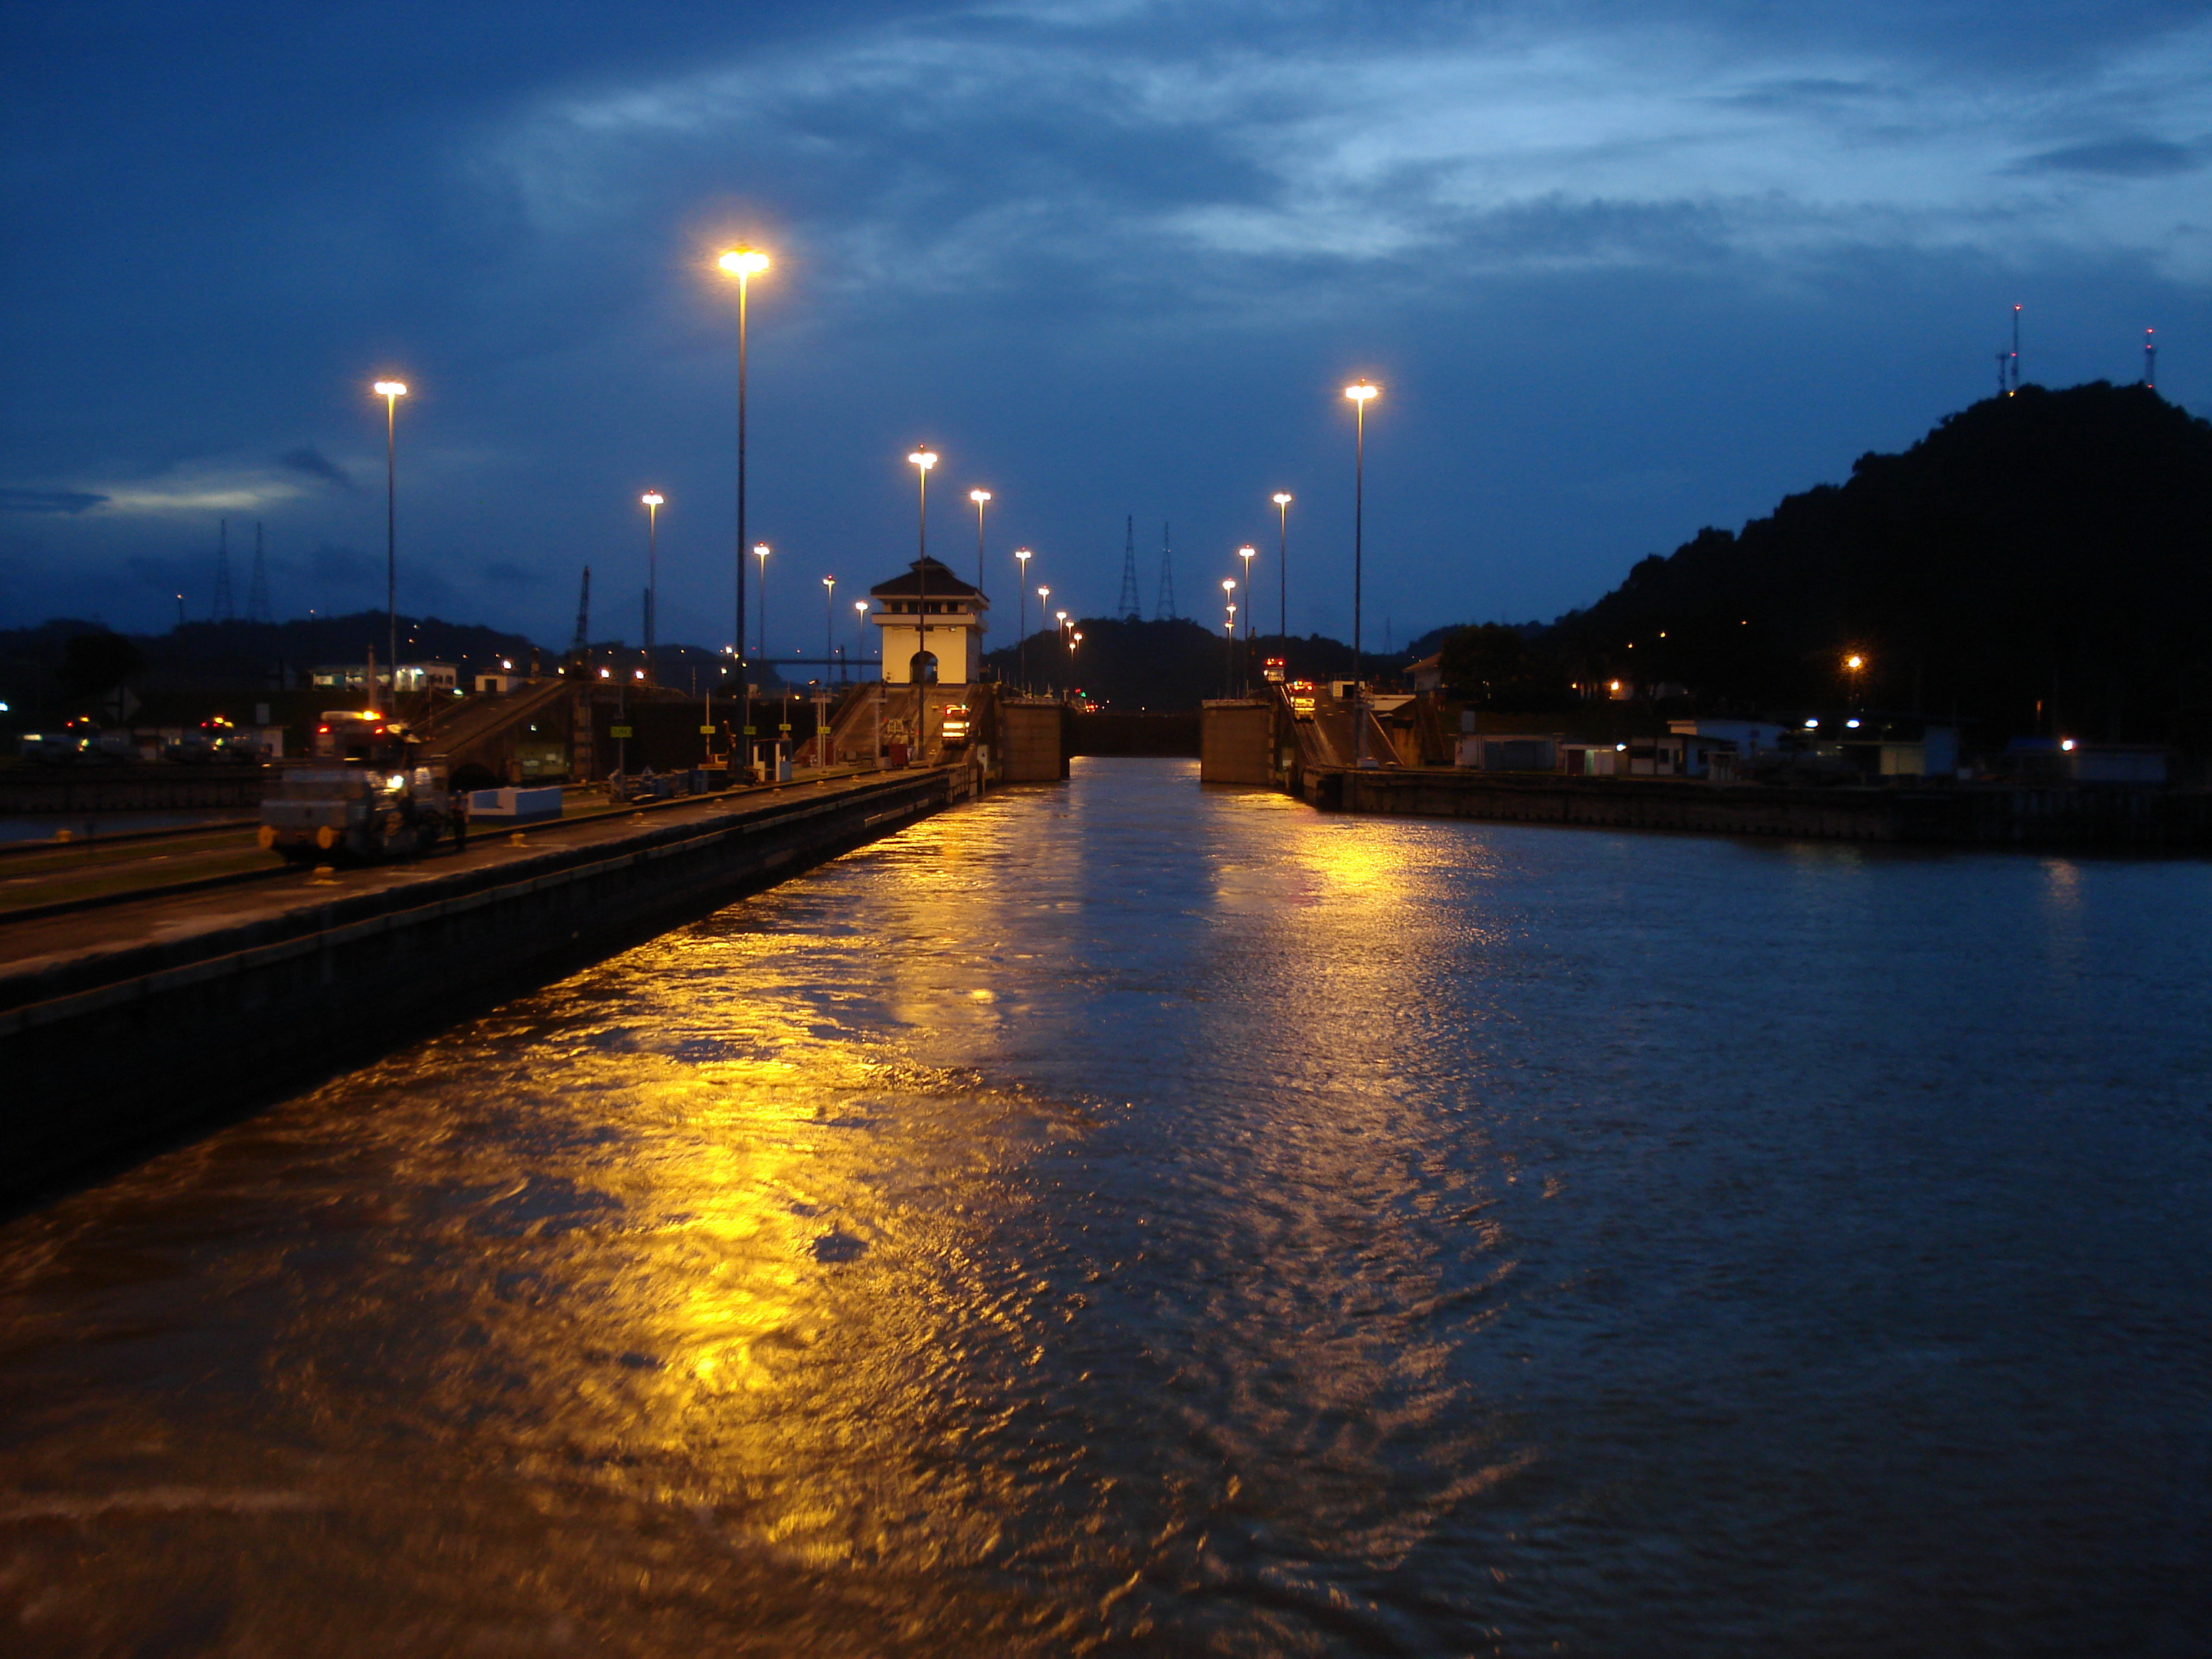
x=1621, y=270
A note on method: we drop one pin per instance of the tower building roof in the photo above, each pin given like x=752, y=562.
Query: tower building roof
x=943, y=584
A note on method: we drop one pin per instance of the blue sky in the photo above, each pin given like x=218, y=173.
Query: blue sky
x=1622, y=270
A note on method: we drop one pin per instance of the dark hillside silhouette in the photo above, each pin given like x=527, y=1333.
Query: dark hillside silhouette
x=2037, y=560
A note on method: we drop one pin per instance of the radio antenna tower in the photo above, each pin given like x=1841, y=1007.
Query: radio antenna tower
x=582, y=643
x=2014, y=392
x=1131, y=607
x=257, y=589
x=2150, y=360
x=1163, y=606
x=2002, y=360
x=222, y=604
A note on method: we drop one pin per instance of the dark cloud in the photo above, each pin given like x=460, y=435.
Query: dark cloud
x=316, y=464
x=2118, y=158
x=48, y=501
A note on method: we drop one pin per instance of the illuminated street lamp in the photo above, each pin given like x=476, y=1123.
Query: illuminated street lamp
x=1044, y=595
x=1059, y=630
x=922, y=460
x=828, y=630
x=981, y=498
x=1283, y=499
x=653, y=499
x=859, y=633
x=392, y=391
x=743, y=264
x=1248, y=553
x=760, y=550
x=1022, y=557
x=1229, y=598
x=1361, y=393
x=1852, y=664
x=1074, y=638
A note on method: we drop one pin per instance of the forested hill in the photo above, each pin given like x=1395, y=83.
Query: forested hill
x=2051, y=548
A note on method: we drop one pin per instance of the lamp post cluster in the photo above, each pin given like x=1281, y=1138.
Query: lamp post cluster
x=743, y=264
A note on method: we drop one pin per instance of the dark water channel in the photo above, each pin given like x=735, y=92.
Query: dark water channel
x=1131, y=1218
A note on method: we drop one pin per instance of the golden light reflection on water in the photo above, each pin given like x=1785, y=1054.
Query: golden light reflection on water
x=1110, y=1215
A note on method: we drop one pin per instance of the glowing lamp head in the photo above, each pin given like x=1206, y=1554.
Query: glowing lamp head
x=1062, y=615
x=392, y=388
x=859, y=605
x=761, y=548
x=743, y=262
x=2068, y=746
x=979, y=496
x=1855, y=662
x=1282, y=498
x=1360, y=392
x=829, y=582
x=1229, y=584
x=652, y=498
x=1024, y=555
x=924, y=458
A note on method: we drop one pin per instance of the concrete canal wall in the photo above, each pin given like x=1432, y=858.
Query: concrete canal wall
x=107, y=1051
x=2146, y=819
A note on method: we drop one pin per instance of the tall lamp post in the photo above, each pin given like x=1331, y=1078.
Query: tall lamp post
x=1229, y=598
x=760, y=550
x=981, y=498
x=1361, y=393
x=1022, y=557
x=1852, y=665
x=1044, y=597
x=829, y=627
x=1074, y=638
x=653, y=499
x=1060, y=632
x=860, y=634
x=1283, y=499
x=1248, y=553
x=743, y=264
x=392, y=391
x=922, y=460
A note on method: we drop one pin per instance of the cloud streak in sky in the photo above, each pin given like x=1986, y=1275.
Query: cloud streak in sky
x=974, y=151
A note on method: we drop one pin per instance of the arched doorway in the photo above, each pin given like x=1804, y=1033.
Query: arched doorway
x=921, y=668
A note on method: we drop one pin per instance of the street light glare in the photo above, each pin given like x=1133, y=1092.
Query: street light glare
x=979, y=495
x=1362, y=392
x=924, y=458
x=1283, y=498
x=761, y=549
x=651, y=498
x=392, y=388
x=743, y=262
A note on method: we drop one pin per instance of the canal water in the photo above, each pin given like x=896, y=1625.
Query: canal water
x=1133, y=1219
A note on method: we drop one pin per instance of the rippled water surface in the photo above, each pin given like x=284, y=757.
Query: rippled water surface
x=1129, y=1218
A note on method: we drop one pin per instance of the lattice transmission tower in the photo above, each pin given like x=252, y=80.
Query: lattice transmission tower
x=257, y=587
x=1164, y=603
x=1131, y=605
x=223, y=608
